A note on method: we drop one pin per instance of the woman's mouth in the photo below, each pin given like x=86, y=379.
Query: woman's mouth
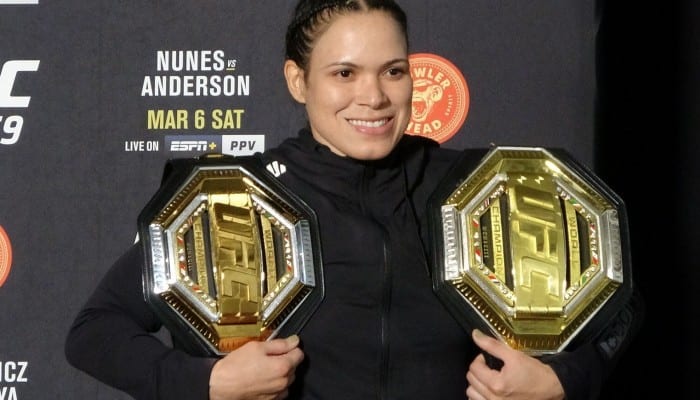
x=362, y=123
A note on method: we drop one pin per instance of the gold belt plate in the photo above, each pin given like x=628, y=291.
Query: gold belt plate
x=231, y=255
x=530, y=246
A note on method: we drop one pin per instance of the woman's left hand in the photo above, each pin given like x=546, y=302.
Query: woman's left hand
x=521, y=377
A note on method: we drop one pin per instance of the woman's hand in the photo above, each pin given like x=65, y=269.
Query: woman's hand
x=256, y=371
x=522, y=376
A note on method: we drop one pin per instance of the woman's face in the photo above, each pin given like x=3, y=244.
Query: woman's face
x=357, y=87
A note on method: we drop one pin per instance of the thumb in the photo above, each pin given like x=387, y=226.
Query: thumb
x=282, y=345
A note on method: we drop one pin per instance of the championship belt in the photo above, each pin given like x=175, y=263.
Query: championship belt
x=531, y=247
x=231, y=255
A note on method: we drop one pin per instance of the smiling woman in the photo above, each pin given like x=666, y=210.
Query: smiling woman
x=357, y=87
x=369, y=185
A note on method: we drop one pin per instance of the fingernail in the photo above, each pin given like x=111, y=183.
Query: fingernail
x=478, y=333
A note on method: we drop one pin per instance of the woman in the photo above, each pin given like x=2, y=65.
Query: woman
x=380, y=331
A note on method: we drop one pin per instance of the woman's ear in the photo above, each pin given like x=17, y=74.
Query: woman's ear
x=295, y=81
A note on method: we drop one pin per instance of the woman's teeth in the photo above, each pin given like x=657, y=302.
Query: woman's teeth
x=368, y=124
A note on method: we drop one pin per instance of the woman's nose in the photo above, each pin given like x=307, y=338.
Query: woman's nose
x=371, y=93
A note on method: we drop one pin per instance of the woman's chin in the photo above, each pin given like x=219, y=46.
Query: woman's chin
x=371, y=153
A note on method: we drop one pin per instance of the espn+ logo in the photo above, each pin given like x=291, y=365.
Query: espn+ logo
x=10, y=123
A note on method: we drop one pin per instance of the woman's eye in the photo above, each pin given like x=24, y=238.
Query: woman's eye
x=395, y=72
x=344, y=74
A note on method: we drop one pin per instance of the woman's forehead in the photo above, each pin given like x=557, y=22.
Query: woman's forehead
x=357, y=35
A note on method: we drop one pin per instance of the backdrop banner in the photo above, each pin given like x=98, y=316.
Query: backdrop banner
x=95, y=96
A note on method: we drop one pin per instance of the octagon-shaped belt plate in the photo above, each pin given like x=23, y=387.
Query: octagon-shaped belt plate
x=231, y=255
x=531, y=247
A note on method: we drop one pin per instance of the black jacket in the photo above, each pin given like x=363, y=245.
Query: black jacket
x=380, y=332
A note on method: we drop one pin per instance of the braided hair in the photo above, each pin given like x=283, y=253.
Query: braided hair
x=311, y=18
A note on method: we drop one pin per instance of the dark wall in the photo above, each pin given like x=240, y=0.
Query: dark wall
x=647, y=149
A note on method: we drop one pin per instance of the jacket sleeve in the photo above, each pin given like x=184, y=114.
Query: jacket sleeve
x=583, y=370
x=112, y=340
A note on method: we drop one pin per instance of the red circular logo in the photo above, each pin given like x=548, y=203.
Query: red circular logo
x=440, y=97
x=5, y=256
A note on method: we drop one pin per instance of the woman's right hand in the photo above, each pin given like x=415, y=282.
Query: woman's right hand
x=256, y=371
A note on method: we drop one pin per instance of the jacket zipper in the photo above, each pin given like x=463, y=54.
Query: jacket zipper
x=384, y=334
x=386, y=297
